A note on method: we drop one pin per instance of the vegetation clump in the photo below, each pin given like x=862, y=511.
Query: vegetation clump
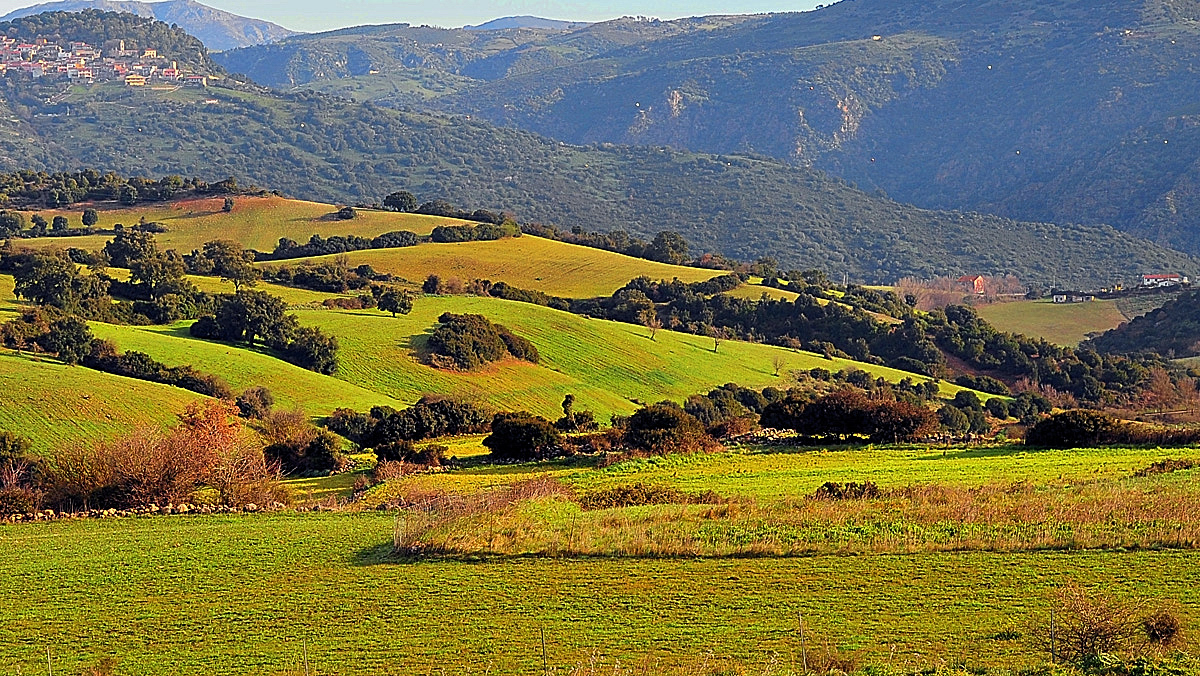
x=522, y=436
x=469, y=341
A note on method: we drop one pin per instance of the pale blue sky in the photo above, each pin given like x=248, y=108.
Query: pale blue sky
x=318, y=15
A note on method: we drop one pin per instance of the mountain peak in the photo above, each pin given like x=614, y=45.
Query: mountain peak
x=509, y=22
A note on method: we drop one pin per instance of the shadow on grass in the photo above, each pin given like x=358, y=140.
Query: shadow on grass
x=978, y=452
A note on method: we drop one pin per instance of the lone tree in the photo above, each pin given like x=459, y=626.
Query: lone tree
x=396, y=302
x=401, y=200
x=60, y=224
x=228, y=206
x=652, y=322
x=90, y=218
x=232, y=263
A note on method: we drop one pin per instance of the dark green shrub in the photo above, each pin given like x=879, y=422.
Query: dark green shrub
x=405, y=451
x=997, y=408
x=1076, y=429
x=428, y=419
x=665, y=428
x=521, y=436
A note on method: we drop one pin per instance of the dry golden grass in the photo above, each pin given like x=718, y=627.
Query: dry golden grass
x=255, y=222
x=930, y=518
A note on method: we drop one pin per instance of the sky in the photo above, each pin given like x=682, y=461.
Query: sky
x=319, y=15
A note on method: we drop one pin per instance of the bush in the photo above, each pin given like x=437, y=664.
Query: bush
x=471, y=341
x=428, y=419
x=431, y=455
x=997, y=408
x=255, y=402
x=298, y=446
x=1075, y=429
x=849, y=491
x=665, y=428
x=521, y=436
x=1162, y=628
x=350, y=424
x=639, y=494
x=1087, y=627
x=207, y=450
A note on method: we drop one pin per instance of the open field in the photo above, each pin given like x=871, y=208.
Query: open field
x=254, y=594
x=526, y=262
x=770, y=473
x=53, y=404
x=255, y=222
x=1064, y=324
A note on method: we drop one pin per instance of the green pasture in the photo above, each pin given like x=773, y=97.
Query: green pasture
x=1065, y=324
x=781, y=472
x=526, y=262
x=255, y=222
x=53, y=404
x=259, y=594
x=607, y=365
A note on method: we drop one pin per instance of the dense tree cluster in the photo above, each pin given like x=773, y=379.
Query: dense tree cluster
x=521, y=436
x=56, y=190
x=324, y=246
x=469, y=341
x=256, y=317
x=484, y=232
x=849, y=414
x=429, y=418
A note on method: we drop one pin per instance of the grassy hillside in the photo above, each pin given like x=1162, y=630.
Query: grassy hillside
x=605, y=364
x=53, y=404
x=292, y=386
x=256, y=222
x=527, y=262
x=1065, y=324
x=608, y=365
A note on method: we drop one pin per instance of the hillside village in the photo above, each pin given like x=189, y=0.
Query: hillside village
x=85, y=63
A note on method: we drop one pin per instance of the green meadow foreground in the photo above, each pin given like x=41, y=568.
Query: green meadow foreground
x=253, y=594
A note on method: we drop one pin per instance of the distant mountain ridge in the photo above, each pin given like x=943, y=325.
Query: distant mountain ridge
x=217, y=29
x=1066, y=111
x=333, y=149
x=525, y=21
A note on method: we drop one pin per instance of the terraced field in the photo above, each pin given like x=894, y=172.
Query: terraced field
x=255, y=222
x=527, y=262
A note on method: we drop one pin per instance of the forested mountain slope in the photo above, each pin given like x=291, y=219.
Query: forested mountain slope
x=318, y=147
x=1035, y=109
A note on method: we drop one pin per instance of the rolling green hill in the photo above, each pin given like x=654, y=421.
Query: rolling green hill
x=609, y=366
x=527, y=262
x=52, y=404
x=255, y=222
x=339, y=151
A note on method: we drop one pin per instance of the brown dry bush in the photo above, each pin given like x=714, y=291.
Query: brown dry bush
x=208, y=449
x=1086, y=626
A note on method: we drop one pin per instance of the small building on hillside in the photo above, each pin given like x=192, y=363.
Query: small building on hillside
x=1160, y=281
x=973, y=283
x=133, y=80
